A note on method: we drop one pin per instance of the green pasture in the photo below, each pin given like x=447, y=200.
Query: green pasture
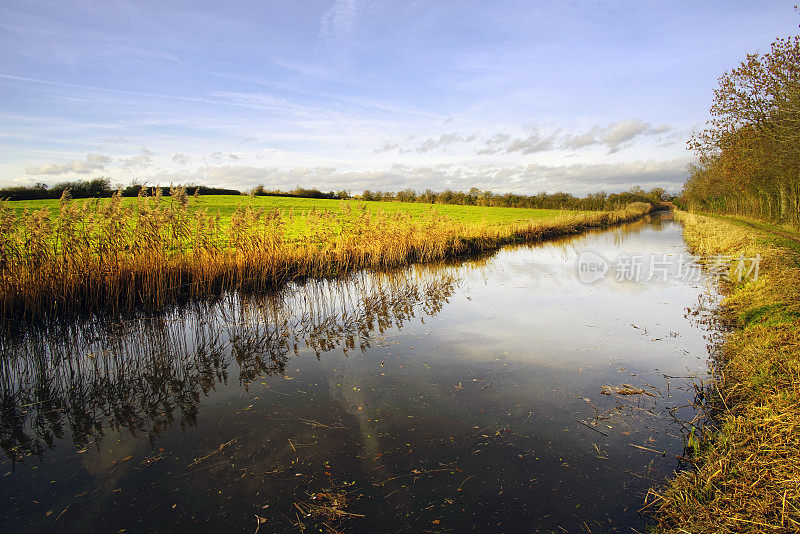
x=225, y=205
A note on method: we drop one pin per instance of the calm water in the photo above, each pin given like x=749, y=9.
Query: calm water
x=438, y=398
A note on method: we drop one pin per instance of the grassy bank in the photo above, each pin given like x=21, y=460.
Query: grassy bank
x=115, y=255
x=748, y=476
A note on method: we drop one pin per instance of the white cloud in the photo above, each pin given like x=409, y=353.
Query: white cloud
x=494, y=144
x=386, y=147
x=221, y=155
x=616, y=135
x=527, y=179
x=444, y=140
x=93, y=162
x=97, y=158
x=142, y=159
x=580, y=141
x=428, y=145
x=619, y=133
x=535, y=142
x=180, y=159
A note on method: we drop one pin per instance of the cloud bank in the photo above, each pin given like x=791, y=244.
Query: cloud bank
x=614, y=137
x=524, y=178
x=92, y=163
x=142, y=159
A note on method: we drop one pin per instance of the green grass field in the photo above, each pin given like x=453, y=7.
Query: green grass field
x=225, y=205
x=294, y=208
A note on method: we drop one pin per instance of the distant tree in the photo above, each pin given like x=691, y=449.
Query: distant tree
x=407, y=195
x=658, y=194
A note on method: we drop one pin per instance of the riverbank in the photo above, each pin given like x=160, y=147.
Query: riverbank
x=748, y=474
x=117, y=256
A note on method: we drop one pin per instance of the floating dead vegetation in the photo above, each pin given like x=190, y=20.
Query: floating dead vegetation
x=222, y=447
x=324, y=511
x=624, y=389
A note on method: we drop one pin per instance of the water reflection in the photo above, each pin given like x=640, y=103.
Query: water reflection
x=145, y=375
x=456, y=397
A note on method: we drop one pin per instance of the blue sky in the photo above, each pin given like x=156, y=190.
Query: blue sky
x=352, y=94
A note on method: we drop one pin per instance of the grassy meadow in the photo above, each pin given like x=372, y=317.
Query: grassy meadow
x=297, y=208
x=115, y=254
x=748, y=474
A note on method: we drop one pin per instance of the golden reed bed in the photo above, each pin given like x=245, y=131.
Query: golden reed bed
x=112, y=256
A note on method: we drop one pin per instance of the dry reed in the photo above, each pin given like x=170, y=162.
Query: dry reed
x=109, y=256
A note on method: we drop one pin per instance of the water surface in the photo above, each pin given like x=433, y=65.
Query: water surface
x=433, y=398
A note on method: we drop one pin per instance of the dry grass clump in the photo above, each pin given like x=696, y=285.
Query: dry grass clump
x=112, y=256
x=748, y=476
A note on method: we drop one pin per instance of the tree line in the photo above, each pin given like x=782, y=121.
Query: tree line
x=476, y=197
x=748, y=156
x=98, y=188
x=101, y=187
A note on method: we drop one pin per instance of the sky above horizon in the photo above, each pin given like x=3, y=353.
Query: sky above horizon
x=509, y=96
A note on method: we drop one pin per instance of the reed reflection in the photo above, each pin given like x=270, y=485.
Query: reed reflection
x=144, y=375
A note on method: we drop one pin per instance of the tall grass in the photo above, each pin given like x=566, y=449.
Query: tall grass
x=113, y=256
x=748, y=475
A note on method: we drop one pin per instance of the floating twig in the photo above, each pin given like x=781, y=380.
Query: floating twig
x=209, y=455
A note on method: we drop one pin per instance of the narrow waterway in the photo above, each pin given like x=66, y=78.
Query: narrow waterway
x=433, y=398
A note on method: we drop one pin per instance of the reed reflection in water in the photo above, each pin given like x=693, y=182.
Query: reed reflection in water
x=144, y=375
